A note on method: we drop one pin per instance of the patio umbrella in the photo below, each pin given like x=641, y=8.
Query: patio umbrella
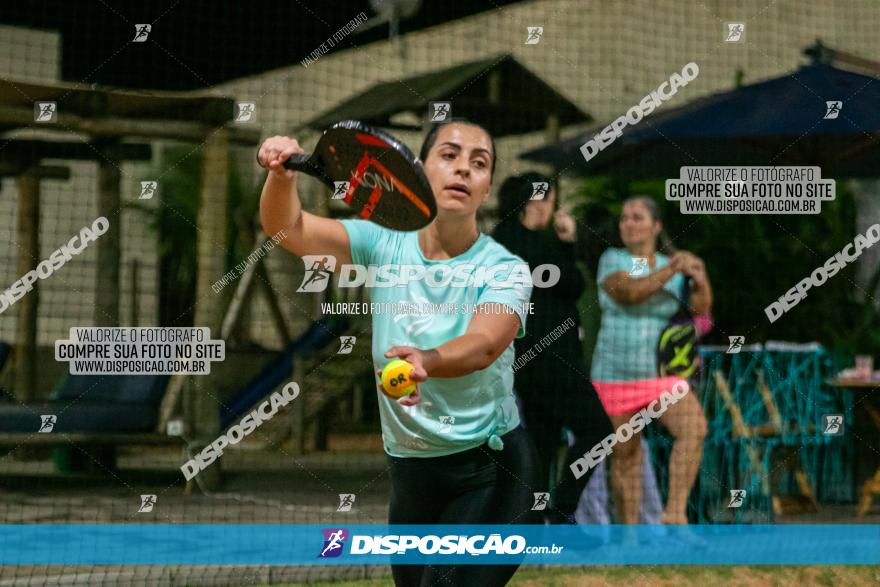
x=781, y=121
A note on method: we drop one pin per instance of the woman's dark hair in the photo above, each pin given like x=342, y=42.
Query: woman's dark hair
x=515, y=193
x=667, y=247
x=431, y=138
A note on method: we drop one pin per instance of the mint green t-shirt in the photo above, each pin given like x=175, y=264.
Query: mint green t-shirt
x=626, y=347
x=454, y=414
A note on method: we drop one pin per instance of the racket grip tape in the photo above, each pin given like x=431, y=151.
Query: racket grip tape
x=299, y=162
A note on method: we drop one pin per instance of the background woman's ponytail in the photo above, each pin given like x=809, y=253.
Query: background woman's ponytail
x=667, y=247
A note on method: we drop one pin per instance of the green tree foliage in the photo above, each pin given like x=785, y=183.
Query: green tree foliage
x=174, y=222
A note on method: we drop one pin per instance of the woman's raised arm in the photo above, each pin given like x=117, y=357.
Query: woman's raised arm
x=281, y=210
x=630, y=291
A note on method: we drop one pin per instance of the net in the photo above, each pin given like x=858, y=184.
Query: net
x=165, y=153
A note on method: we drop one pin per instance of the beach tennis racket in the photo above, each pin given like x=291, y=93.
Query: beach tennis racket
x=373, y=173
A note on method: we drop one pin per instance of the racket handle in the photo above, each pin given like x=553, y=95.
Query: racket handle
x=310, y=166
x=299, y=162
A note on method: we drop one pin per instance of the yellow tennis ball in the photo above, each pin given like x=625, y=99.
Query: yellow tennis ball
x=395, y=378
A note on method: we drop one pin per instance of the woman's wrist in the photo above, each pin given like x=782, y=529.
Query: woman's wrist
x=667, y=272
x=431, y=360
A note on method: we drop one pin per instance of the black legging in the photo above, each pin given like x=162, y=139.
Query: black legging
x=545, y=410
x=477, y=486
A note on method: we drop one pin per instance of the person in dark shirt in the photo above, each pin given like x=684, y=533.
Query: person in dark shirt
x=551, y=378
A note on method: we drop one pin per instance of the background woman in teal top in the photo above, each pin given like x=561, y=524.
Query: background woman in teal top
x=639, y=291
x=456, y=452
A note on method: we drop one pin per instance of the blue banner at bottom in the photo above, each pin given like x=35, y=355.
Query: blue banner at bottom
x=267, y=544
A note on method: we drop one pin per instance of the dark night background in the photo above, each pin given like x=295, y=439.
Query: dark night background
x=195, y=43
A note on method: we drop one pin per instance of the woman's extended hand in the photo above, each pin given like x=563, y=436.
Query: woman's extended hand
x=416, y=358
x=691, y=266
x=681, y=260
x=697, y=272
x=565, y=226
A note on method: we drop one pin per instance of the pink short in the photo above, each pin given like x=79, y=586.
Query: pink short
x=623, y=397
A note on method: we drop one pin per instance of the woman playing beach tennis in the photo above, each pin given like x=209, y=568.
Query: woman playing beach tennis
x=456, y=451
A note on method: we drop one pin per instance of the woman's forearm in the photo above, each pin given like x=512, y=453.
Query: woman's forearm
x=460, y=356
x=701, y=298
x=630, y=291
x=280, y=207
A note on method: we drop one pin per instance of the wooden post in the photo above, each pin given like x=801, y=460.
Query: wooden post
x=106, y=312
x=28, y=231
x=272, y=300
x=357, y=403
x=134, y=292
x=769, y=404
x=201, y=409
